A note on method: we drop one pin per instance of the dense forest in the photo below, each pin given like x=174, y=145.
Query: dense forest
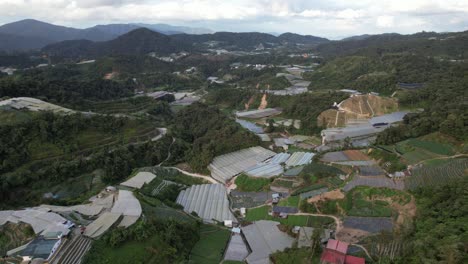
x=441, y=231
x=209, y=133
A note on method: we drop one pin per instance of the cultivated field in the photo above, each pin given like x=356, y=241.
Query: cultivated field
x=437, y=173
x=210, y=248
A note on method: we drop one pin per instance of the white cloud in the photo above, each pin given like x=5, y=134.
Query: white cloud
x=330, y=18
x=385, y=21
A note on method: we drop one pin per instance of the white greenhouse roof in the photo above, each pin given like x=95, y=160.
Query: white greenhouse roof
x=139, y=180
x=266, y=170
x=280, y=158
x=259, y=113
x=127, y=204
x=102, y=224
x=209, y=201
x=299, y=158
x=226, y=166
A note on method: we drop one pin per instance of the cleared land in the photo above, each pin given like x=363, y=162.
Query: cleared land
x=261, y=213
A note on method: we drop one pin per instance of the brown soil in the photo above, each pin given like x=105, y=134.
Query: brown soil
x=355, y=155
x=350, y=235
x=263, y=103
x=332, y=195
x=357, y=107
x=251, y=101
x=184, y=166
x=406, y=212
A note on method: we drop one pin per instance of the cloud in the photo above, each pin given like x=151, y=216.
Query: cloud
x=385, y=21
x=329, y=18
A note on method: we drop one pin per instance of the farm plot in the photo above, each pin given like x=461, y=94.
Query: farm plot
x=374, y=182
x=261, y=213
x=210, y=248
x=437, y=174
x=162, y=186
x=415, y=150
x=369, y=224
x=248, y=199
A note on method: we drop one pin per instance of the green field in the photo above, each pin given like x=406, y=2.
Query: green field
x=437, y=172
x=210, y=248
x=292, y=201
x=294, y=255
x=251, y=184
x=417, y=150
x=261, y=213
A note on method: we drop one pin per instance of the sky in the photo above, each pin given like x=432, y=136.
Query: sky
x=333, y=19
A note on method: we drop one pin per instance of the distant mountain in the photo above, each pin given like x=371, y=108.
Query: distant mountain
x=170, y=30
x=30, y=34
x=301, y=39
x=35, y=28
x=142, y=41
x=358, y=37
x=11, y=42
x=137, y=42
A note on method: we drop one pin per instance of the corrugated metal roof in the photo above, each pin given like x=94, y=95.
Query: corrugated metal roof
x=280, y=158
x=209, y=201
x=250, y=126
x=266, y=170
x=259, y=113
x=299, y=158
x=264, y=238
x=388, y=118
x=226, y=166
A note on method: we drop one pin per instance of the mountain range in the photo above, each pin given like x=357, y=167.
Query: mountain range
x=31, y=34
x=143, y=40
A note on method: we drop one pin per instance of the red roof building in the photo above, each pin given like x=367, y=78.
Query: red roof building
x=335, y=253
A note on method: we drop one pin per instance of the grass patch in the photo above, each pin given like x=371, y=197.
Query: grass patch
x=250, y=184
x=295, y=255
x=283, y=183
x=292, y=201
x=210, y=248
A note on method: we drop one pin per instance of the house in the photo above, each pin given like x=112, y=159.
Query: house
x=335, y=253
x=275, y=198
x=283, y=211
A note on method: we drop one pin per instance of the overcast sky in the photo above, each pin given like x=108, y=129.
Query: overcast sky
x=327, y=18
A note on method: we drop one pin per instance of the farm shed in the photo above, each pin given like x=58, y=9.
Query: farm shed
x=139, y=180
x=226, y=166
x=101, y=224
x=209, y=201
x=265, y=238
x=299, y=158
x=283, y=211
x=280, y=158
x=128, y=206
x=265, y=170
x=250, y=126
x=259, y=113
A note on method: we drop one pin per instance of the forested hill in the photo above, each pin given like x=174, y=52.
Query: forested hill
x=142, y=41
x=424, y=43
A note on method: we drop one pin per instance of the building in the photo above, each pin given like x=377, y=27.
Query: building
x=335, y=253
x=283, y=211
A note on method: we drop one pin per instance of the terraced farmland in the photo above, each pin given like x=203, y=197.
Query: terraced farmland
x=437, y=174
